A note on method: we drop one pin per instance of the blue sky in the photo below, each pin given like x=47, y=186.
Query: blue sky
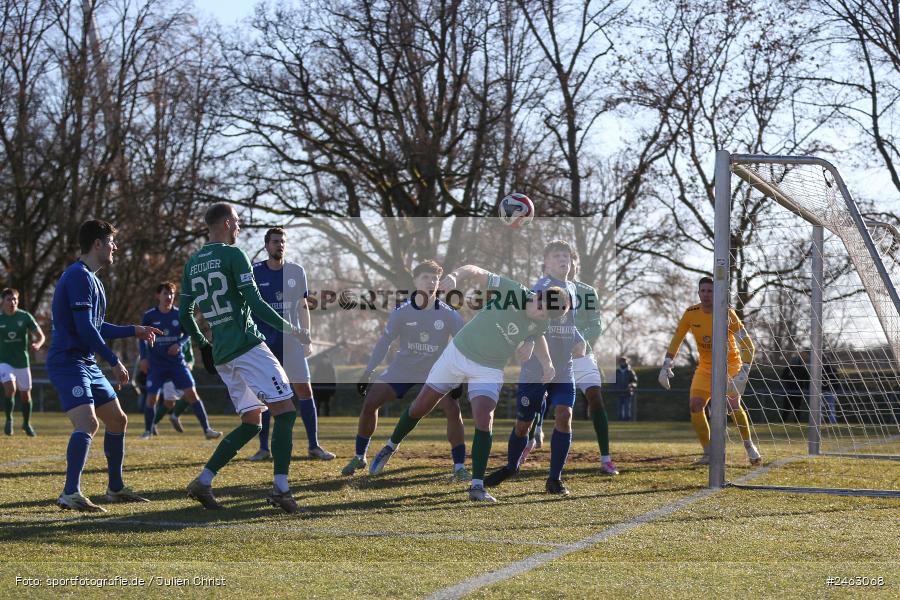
x=226, y=12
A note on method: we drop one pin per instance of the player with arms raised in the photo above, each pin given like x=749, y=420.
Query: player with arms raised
x=79, y=328
x=219, y=279
x=19, y=332
x=478, y=353
x=698, y=320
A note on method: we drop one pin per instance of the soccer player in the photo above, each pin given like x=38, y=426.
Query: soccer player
x=219, y=279
x=173, y=403
x=19, y=332
x=698, y=320
x=165, y=362
x=478, y=354
x=562, y=338
x=79, y=309
x=283, y=286
x=424, y=326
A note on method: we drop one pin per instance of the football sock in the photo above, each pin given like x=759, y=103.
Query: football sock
x=740, y=419
x=283, y=443
x=458, y=452
x=281, y=483
x=27, y=407
x=206, y=476
x=264, y=432
x=404, y=426
x=229, y=446
x=149, y=412
x=601, y=427
x=481, y=449
x=559, y=450
x=701, y=426
x=8, y=404
x=514, y=449
x=362, y=445
x=307, y=407
x=76, y=457
x=200, y=411
x=161, y=411
x=181, y=406
x=114, y=449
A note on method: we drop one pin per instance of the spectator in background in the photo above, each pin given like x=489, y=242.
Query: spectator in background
x=626, y=385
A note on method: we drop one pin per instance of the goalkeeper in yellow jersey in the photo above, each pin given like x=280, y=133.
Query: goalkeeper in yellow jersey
x=698, y=320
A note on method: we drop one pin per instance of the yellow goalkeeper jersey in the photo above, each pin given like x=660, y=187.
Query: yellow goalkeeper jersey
x=699, y=323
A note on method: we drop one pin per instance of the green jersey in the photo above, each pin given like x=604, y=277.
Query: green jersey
x=219, y=279
x=497, y=330
x=587, y=313
x=14, y=338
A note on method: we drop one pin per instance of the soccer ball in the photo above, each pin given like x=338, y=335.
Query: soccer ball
x=516, y=210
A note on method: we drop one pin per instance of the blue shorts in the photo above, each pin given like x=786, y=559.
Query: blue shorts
x=179, y=375
x=400, y=389
x=401, y=379
x=530, y=395
x=292, y=356
x=79, y=384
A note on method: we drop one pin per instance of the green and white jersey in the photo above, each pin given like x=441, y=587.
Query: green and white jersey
x=213, y=278
x=14, y=338
x=587, y=313
x=497, y=330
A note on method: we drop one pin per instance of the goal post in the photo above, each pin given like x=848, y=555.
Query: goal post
x=816, y=291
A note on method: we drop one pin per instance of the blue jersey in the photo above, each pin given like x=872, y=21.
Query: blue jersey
x=423, y=334
x=283, y=290
x=561, y=336
x=78, y=289
x=168, y=323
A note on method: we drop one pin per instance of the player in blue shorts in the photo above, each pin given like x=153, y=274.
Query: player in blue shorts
x=562, y=338
x=424, y=330
x=283, y=286
x=79, y=308
x=165, y=362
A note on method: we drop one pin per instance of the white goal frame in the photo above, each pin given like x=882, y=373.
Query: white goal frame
x=726, y=165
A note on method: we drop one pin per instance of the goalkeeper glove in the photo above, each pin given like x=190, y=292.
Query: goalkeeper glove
x=365, y=381
x=208, y=364
x=738, y=383
x=666, y=373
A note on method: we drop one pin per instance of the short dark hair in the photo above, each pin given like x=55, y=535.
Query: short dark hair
x=217, y=212
x=558, y=245
x=705, y=279
x=165, y=285
x=91, y=231
x=554, y=300
x=428, y=266
x=9, y=292
x=277, y=230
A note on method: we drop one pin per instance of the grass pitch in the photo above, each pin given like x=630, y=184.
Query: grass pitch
x=412, y=532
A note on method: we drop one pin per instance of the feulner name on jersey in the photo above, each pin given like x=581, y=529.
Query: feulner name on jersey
x=206, y=266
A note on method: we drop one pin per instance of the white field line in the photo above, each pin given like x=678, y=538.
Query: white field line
x=267, y=526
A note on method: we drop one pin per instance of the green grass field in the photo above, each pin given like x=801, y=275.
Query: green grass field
x=412, y=533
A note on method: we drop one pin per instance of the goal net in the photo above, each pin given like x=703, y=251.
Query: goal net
x=814, y=282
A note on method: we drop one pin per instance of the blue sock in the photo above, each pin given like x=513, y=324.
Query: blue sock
x=200, y=411
x=459, y=454
x=264, y=432
x=514, y=450
x=362, y=445
x=149, y=415
x=559, y=451
x=307, y=408
x=76, y=457
x=114, y=449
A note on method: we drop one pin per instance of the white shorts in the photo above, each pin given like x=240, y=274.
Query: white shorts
x=20, y=377
x=453, y=368
x=169, y=393
x=254, y=379
x=587, y=374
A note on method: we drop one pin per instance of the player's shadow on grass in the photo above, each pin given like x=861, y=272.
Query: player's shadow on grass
x=404, y=476
x=100, y=470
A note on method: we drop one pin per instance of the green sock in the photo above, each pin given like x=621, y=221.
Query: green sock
x=283, y=441
x=228, y=447
x=601, y=426
x=180, y=407
x=404, y=426
x=161, y=411
x=481, y=449
x=8, y=404
x=26, y=413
